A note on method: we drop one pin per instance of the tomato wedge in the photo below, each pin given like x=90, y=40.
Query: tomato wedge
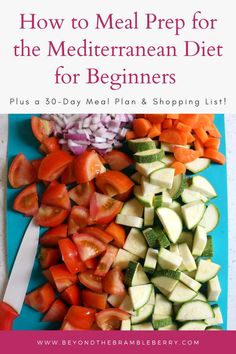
x=103, y=208
x=41, y=127
x=71, y=256
x=50, y=144
x=88, y=246
x=79, y=218
x=53, y=165
x=56, y=312
x=48, y=257
x=124, y=196
x=87, y=166
x=117, y=160
x=91, y=263
x=26, y=201
x=94, y=300
x=110, y=319
x=56, y=195
x=68, y=175
x=113, y=183
x=98, y=233
x=41, y=298
x=113, y=282
x=71, y=295
x=36, y=163
x=51, y=237
x=82, y=193
x=118, y=233
x=62, y=277
x=49, y=216
x=91, y=281
x=21, y=172
x=106, y=261
x=80, y=317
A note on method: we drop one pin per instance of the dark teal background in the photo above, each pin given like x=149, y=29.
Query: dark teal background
x=22, y=140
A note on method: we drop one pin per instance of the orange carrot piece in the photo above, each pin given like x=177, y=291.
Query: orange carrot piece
x=155, y=118
x=184, y=155
x=190, y=138
x=179, y=167
x=204, y=120
x=189, y=119
x=199, y=147
x=201, y=134
x=212, y=143
x=213, y=131
x=155, y=130
x=167, y=124
x=130, y=135
x=173, y=136
x=173, y=116
x=214, y=155
x=183, y=127
x=141, y=127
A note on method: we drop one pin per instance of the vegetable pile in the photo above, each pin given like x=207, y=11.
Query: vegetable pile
x=125, y=250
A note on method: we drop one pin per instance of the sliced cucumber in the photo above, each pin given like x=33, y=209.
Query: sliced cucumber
x=198, y=165
x=166, y=279
x=162, y=306
x=177, y=208
x=213, y=289
x=181, y=293
x=140, y=295
x=206, y=270
x=150, y=260
x=146, y=169
x=171, y=223
x=201, y=297
x=166, y=199
x=190, y=274
x=125, y=325
x=162, y=239
x=174, y=249
x=142, y=314
x=193, y=326
x=186, y=236
x=135, y=275
x=168, y=160
x=127, y=305
x=189, y=196
x=148, y=216
x=168, y=260
x=208, y=251
x=214, y=328
x=136, y=177
x=149, y=156
x=217, y=319
x=141, y=144
x=193, y=213
x=171, y=327
x=210, y=218
x=159, y=321
x=132, y=208
x=163, y=177
x=146, y=326
x=115, y=300
x=188, y=260
x=199, y=241
x=146, y=199
x=178, y=186
x=151, y=300
x=128, y=220
x=202, y=185
x=195, y=310
x=149, y=188
x=191, y=283
x=123, y=258
x=151, y=237
x=135, y=243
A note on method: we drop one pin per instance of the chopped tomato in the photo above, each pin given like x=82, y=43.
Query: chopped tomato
x=87, y=166
x=36, y=163
x=94, y=300
x=103, y=208
x=56, y=195
x=50, y=144
x=124, y=196
x=80, y=317
x=49, y=216
x=53, y=165
x=56, y=312
x=26, y=201
x=49, y=257
x=82, y=193
x=113, y=183
x=70, y=256
x=98, y=233
x=79, y=218
x=41, y=298
x=117, y=160
x=51, y=237
x=68, y=176
x=118, y=233
x=88, y=246
x=91, y=281
x=47, y=274
x=62, y=277
x=71, y=295
x=21, y=172
x=41, y=127
x=106, y=261
x=110, y=319
x=91, y=263
x=113, y=282
x=66, y=326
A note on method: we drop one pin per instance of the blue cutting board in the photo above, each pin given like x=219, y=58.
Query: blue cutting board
x=21, y=139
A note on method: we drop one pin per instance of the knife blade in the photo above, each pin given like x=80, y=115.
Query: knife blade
x=13, y=299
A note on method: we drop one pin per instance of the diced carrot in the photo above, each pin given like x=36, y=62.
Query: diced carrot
x=130, y=135
x=189, y=119
x=118, y=232
x=173, y=136
x=155, y=130
x=155, y=118
x=141, y=127
x=214, y=155
x=184, y=155
x=179, y=167
x=204, y=120
x=173, y=116
x=201, y=134
x=199, y=147
x=167, y=124
x=213, y=131
x=212, y=143
x=190, y=138
x=183, y=127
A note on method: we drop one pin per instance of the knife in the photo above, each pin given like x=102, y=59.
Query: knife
x=10, y=306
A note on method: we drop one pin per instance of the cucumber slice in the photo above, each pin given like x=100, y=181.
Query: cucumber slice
x=171, y=223
x=136, y=177
x=162, y=239
x=135, y=275
x=177, y=208
x=127, y=305
x=145, y=199
x=159, y=321
x=151, y=300
x=140, y=295
x=132, y=208
x=174, y=249
x=210, y=218
x=149, y=156
x=190, y=274
x=193, y=326
x=217, y=319
x=181, y=293
x=150, y=262
x=171, y=327
x=123, y=258
x=168, y=160
x=148, y=216
x=199, y=241
x=193, y=213
x=166, y=280
x=148, y=188
x=115, y=300
x=146, y=169
x=195, y=310
x=201, y=297
x=163, y=177
x=208, y=251
x=168, y=260
x=146, y=326
x=206, y=270
x=202, y=185
x=135, y=243
x=142, y=314
x=157, y=201
x=213, y=289
x=178, y=186
x=187, y=237
x=142, y=144
x=128, y=220
x=166, y=199
x=198, y=165
x=125, y=325
x=151, y=237
x=191, y=283
x=189, y=196
x=214, y=328
x=188, y=260
x=162, y=306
